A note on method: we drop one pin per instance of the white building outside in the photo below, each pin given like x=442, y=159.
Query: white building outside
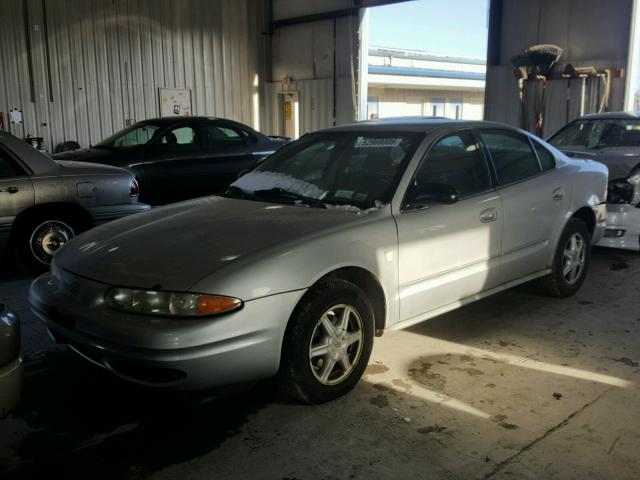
x=415, y=83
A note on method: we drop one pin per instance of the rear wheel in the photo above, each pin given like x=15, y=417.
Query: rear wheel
x=571, y=261
x=39, y=237
x=328, y=342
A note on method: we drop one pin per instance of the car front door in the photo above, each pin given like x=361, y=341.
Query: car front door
x=16, y=193
x=449, y=252
x=534, y=197
x=171, y=165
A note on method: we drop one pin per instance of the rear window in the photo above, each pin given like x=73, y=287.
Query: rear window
x=222, y=135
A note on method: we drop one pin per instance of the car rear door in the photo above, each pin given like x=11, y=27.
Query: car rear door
x=534, y=199
x=229, y=151
x=16, y=192
x=448, y=253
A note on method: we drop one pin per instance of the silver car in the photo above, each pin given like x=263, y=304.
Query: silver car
x=334, y=239
x=44, y=203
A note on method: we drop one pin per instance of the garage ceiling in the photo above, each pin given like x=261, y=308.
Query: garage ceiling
x=287, y=12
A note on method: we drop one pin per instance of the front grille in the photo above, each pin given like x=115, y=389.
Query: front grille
x=619, y=191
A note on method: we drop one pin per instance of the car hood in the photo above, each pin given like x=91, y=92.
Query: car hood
x=86, y=168
x=173, y=247
x=96, y=155
x=621, y=161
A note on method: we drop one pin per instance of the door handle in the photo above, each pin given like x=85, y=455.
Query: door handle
x=558, y=193
x=10, y=190
x=489, y=215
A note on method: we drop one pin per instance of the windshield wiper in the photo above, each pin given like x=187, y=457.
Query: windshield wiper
x=282, y=194
x=236, y=192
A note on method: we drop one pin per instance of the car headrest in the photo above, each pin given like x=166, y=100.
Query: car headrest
x=170, y=138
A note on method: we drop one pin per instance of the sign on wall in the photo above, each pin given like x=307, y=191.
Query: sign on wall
x=175, y=102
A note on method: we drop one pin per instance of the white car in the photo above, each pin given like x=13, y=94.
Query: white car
x=337, y=237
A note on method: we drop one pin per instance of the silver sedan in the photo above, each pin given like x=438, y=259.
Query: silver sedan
x=44, y=203
x=334, y=239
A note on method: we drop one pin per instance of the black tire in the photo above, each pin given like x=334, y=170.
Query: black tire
x=556, y=284
x=297, y=375
x=25, y=237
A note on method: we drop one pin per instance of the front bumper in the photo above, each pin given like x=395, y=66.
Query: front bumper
x=113, y=212
x=622, y=228
x=10, y=386
x=171, y=353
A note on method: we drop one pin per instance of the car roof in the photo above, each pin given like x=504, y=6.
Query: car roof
x=610, y=115
x=416, y=124
x=165, y=121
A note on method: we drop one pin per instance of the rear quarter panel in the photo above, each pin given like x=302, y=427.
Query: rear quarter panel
x=587, y=181
x=84, y=190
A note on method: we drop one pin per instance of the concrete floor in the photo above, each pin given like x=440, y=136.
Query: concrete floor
x=516, y=386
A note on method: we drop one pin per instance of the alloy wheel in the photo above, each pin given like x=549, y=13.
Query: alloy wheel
x=573, y=259
x=336, y=344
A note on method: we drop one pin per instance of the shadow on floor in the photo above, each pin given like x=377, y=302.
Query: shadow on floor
x=85, y=422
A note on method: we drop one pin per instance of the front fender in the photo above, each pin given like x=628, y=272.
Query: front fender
x=371, y=245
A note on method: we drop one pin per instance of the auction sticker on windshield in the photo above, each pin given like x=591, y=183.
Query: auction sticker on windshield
x=376, y=142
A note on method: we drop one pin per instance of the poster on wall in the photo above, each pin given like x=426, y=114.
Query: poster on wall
x=175, y=102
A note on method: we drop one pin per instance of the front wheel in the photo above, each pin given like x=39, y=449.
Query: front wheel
x=328, y=342
x=571, y=261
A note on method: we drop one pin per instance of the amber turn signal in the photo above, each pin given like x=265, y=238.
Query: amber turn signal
x=213, y=304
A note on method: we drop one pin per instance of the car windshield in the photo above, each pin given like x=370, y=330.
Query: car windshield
x=354, y=169
x=597, y=134
x=133, y=137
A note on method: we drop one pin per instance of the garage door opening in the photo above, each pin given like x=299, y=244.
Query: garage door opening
x=424, y=58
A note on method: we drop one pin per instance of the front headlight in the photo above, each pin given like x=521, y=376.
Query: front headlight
x=620, y=191
x=169, y=304
x=635, y=181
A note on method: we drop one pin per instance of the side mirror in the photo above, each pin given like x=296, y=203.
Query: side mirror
x=431, y=193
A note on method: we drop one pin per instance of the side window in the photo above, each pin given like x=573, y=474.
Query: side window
x=180, y=139
x=136, y=137
x=8, y=168
x=511, y=154
x=547, y=160
x=222, y=136
x=455, y=161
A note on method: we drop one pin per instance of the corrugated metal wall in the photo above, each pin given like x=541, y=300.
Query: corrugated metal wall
x=105, y=60
x=304, y=53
